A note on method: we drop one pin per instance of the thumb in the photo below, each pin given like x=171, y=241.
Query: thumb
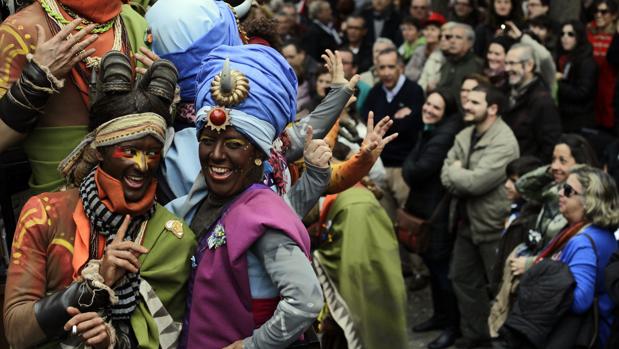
x=72, y=311
x=40, y=35
x=353, y=81
x=309, y=135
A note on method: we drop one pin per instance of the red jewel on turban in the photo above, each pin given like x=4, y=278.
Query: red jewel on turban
x=218, y=119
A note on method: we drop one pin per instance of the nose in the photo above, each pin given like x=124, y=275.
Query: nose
x=140, y=161
x=218, y=151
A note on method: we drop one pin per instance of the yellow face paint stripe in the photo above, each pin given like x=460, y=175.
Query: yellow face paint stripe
x=140, y=159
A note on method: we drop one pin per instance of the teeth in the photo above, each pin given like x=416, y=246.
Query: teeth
x=134, y=178
x=219, y=169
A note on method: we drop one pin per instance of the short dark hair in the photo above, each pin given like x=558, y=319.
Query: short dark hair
x=493, y=96
x=294, y=42
x=612, y=5
x=481, y=79
x=581, y=149
x=355, y=60
x=412, y=21
x=522, y=165
x=392, y=50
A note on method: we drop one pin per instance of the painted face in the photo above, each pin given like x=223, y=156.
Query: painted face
x=409, y=32
x=476, y=108
x=502, y=7
x=496, y=57
x=134, y=163
x=388, y=69
x=571, y=201
x=510, y=188
x=467, y=86
x=602, y=16
x=419, y=9
x=432, y=34
x=568, y=37
x=433, y=109
x=562, y=162
x=536, y=9
x=227, y=160
x=322, y=82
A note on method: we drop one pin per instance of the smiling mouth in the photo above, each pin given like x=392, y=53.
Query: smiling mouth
x=219, y=173
x=134, y=182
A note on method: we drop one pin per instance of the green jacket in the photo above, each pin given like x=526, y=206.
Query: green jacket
x=480, y=183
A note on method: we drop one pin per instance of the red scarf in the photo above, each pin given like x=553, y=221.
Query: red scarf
x=560, y=240
x=111, y=194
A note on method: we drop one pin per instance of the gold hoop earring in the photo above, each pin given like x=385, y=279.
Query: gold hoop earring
x=258, y=162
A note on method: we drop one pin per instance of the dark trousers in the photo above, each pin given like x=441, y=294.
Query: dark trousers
x=471, y=269
x=444, y=300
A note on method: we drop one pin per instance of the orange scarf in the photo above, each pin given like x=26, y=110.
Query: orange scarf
x=98, y=11
x=112, y=195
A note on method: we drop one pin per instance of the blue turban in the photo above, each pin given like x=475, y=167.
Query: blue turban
x=185, y=32
x=271, y=104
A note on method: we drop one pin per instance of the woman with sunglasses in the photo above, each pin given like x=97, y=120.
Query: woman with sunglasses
x=589, y=201
x=576, y=78
x=600, y=33
x=542, y=186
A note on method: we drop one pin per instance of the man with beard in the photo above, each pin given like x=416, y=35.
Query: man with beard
x=532, y=115
x=474, y=173
x=50, y=49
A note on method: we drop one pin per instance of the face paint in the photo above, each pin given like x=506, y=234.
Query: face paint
x=142, y=159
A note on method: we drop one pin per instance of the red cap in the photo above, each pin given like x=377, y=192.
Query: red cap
x=436, y=19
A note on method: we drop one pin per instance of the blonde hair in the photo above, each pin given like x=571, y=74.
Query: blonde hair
x=601, y=200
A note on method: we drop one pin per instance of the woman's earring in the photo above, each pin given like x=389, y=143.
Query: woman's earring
x=258, y=162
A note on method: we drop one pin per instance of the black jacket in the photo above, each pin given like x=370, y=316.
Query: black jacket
x=576, y=92
x=411, y=96
x=545, y=295
x=612, y=286
x=535, y=120
x=612, y=56
x=316, y=41
x=391, y=26
x=422, y=172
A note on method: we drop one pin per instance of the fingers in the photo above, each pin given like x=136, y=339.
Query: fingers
x=95, y=331
x=148, y=53
x=370, y=147
x=308, y=136
x=64, y=32
x=120, y=234
x=73, y=39
x=370, y=123
x=83, y=44
x=73, y=311
x=83, y=321
x=140, y=70
x=120, y=259
x=383, y=126
x=98, y=339
x=389, y=138
x=127, y=246
x=80, y=56
x=354, y=81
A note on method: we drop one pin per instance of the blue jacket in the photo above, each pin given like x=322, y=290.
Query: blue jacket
x=588, y=271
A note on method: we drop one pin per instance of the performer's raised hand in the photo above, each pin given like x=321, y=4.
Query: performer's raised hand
x=333, y=62
x=120, y=256
x=375, y=139
x=60, y=53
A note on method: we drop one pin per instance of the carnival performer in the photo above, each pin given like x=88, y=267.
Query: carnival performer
x=50, y=49
x=253, y=285
x=102, y=262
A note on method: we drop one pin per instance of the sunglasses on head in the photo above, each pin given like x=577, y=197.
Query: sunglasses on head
x=570, y=34
x=569, y=191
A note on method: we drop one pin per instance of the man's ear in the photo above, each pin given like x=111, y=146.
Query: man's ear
x=99, y=153
x=493, y=109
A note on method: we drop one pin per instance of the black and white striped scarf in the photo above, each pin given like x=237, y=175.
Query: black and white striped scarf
x=105, y=222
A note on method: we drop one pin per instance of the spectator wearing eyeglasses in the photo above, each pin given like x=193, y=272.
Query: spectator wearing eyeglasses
x=421, y=10
x=533, y=115
x=356, y=40
x=600, y=33
x=464, y=11
x=431, y=73
x=576, y=78
x=461, y=60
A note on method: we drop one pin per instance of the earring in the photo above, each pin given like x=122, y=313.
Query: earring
x=258, y=162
